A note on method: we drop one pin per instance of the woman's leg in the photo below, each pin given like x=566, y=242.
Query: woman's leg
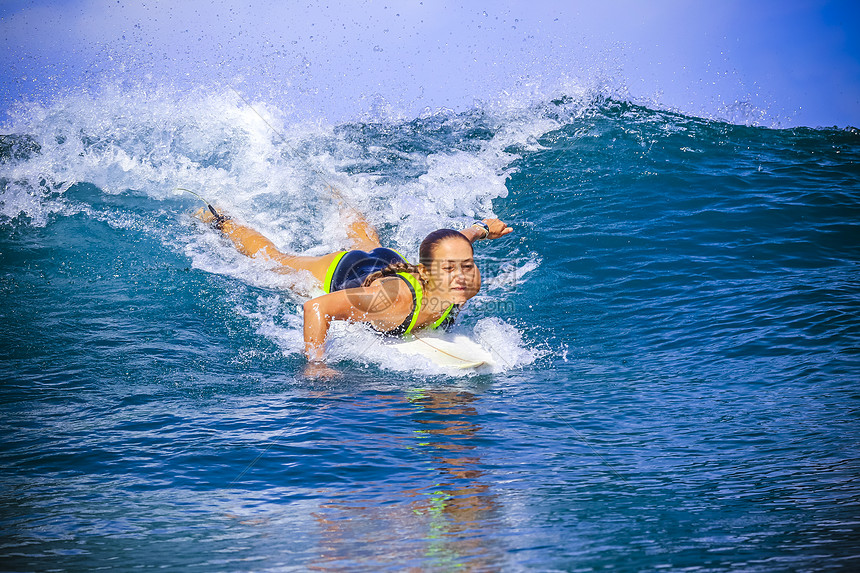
x=253, y=244
x=362, y=234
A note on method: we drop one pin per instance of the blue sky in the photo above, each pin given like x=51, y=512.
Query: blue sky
x=789, y=62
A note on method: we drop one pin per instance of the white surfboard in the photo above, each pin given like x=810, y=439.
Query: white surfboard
x=450, y=351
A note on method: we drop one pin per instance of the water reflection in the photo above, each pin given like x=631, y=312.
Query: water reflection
x=442, y=517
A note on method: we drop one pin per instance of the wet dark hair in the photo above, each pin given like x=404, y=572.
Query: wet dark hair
x=431, y=241
x=425, y=257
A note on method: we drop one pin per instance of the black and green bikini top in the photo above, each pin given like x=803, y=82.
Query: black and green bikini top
x=406, y=327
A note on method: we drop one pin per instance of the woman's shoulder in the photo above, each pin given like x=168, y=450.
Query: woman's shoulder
x=393, y=288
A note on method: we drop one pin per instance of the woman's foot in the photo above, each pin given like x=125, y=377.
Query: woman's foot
x=203, y=214
x=211, y=216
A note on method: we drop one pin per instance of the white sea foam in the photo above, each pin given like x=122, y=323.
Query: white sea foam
x=510, y=273
x=505, y=342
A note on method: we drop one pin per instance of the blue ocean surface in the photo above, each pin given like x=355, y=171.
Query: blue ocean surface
x=675, y=319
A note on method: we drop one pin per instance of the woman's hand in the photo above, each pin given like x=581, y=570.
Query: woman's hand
x=497, y=228
x=206, y=215
x=319, y=370
x=477, y=231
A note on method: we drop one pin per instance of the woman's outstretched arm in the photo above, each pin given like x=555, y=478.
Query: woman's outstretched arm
x=385, y=305
x=497, y=229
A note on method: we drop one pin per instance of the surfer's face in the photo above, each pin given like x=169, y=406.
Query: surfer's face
x=454, y=276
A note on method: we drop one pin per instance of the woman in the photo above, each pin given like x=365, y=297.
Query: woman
x=373, y=284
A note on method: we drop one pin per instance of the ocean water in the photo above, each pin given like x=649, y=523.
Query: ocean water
x=675, y=319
